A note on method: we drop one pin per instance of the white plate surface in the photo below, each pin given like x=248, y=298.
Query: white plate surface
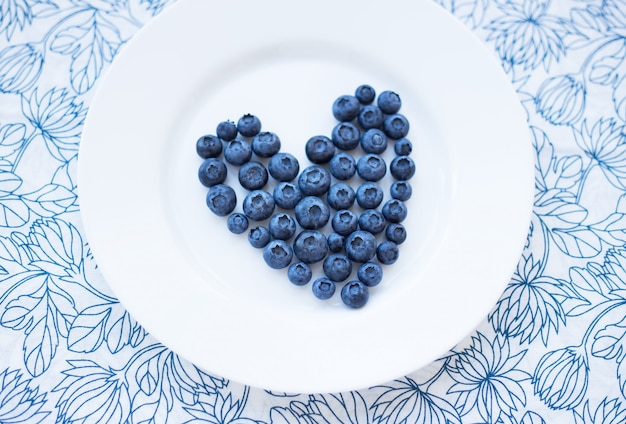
x=206, y=293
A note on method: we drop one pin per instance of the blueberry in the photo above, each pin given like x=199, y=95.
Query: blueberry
x=319, y=149
x=237, y=223
x=402, y=168
x=337, y=267
x=310, y=246
x=370, y=274
x=371, y=116
x=259, y=237
x=277, y=254
x=403, y=147
x=394, y=211
x=387, y=252
x=345, y=222
x=335, y=242
x=371, y=167
x=265, y=144
x=299, y=273
x=323, y=288
x=249, y=125
x=354, y=294
x=365, y=94
x=346, y=136
x=374, y=141
x=282, y=226
x=221, y=199
x=346, y=108
x=340, y=196
x=401, y=190
x=253, y=175
x=314, y=180
x=360, y=246
x=287, y=195
x=283, y=167
x=237, y=152
x=373, y=221
x=396, y=233
x=212, y=171
x=226, y=130
x=312, y=213
x=396, y=126
x=389, y=102
x=258, y=205
x=209, y=146
x=369, y=195
x=342, y=166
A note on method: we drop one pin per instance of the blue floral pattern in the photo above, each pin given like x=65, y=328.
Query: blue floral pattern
x=553, y=349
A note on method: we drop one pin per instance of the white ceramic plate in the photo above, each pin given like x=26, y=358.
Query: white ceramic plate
x=205, y=292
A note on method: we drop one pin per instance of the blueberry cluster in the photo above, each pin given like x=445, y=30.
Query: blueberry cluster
x=291, y=220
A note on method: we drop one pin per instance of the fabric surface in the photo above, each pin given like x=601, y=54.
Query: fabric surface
x=552, y=350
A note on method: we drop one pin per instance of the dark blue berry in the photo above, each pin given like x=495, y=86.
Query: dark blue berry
x=346, y=108
x=212, y=171
x=312, y=212
x=249, y=125
x=342, y=166
x=396, y=233
x=287, y=195
x=401, y=190
x=370, y=274
x=402, y=168
x=283, y=167
x=387, y=252
x=319, y=149
x=394, y=210
x=374, y=141
x=340, y=196
x=277, y=254
x=389, y=102
x=226, y=130
x=299, y=273
x=259, y=237
x=346, y=136
x=396, y=126
x=345, y=222
x=314, y=181
x=371, y=116
x=282, y=226
x=335, y=242
x=323, y=288
x=209, y=146
x=373, y=221
x=237, y=152
x=237, y=223
x=403, y=147
x=265, y=144
x=369, y=195
x=258, y=205
x=354, y=294
x=371, y=167
x=253, y=175
x=310, y=246
x=337, y=267
x=360, y=246
x=365, y=94
x=221, y=199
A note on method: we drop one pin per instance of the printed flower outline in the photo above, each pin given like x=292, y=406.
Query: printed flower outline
x=18, y=13
x=607, y=412
x=20, y=67
x=19, y=403
x=561, y=99
x=561, y=377
x=531, y=304
x=525, y=35
x=487, y=379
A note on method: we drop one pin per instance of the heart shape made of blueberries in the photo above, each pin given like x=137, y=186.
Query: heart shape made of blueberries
x=333, y=211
